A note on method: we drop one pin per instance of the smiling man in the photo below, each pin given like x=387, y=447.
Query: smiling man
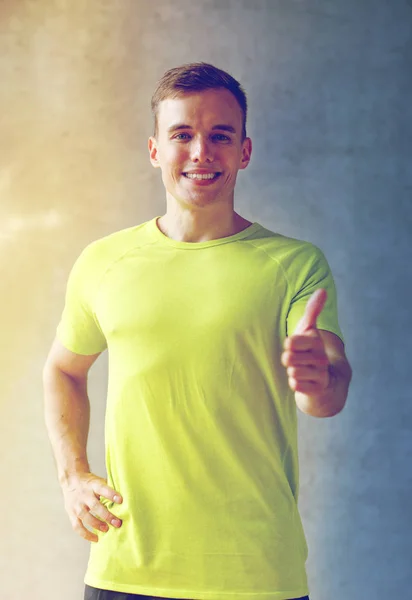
x=217, y=330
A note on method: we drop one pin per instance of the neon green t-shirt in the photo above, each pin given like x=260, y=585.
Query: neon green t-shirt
x=201, y=426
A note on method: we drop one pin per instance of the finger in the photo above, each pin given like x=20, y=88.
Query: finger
x=102, y=513
x=89, y=518
x=306, y=387
x=98, y=517
x=95, y=523
x=302, y=343
x=312, y=311
x=304, y=359
x=104, y=491
x=83, y=532
x=307, y=374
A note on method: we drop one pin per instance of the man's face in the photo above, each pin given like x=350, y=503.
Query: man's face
x=200, y=132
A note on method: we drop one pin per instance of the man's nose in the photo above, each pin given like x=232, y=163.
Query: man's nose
x=201, y=150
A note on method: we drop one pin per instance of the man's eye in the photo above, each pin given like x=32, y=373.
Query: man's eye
x=218, y=136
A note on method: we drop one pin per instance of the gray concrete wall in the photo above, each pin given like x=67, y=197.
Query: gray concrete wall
x=329, y=88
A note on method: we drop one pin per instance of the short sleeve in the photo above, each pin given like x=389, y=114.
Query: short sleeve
x=310, y=272
x=79, y=329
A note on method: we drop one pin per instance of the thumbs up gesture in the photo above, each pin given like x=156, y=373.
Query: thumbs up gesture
x=304, y=353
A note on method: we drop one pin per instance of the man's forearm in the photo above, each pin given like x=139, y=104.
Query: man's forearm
x=332, y=401
x=67, y=417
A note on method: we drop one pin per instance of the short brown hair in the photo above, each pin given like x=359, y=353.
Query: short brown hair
x=195, y=77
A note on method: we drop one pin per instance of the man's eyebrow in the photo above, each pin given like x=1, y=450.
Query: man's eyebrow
x=221, y=126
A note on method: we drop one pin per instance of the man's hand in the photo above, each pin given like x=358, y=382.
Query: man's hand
x=304, y=353
x=82, y=494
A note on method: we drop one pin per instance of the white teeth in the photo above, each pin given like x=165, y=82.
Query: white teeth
x=199, y=176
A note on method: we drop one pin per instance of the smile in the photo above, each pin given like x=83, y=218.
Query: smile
x=201, y=176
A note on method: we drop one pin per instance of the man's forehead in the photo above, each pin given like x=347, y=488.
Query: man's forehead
x=212, y=107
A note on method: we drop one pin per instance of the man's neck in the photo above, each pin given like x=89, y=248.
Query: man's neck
x=189, y=229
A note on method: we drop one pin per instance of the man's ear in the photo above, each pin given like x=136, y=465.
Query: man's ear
x=246, y=153
x=153, y=151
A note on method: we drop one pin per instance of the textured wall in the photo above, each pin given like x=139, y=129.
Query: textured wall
x=329, y=88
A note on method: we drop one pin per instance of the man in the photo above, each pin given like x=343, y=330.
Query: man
x=216, y=329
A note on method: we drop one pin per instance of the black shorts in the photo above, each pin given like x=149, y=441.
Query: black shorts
x=91, y=593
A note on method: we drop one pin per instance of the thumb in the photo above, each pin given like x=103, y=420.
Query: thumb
x=312, y=311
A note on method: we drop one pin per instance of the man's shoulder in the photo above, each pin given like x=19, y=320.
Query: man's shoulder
x=98, y=255
x=285, y=247
x=115, y=244
x=120, y=237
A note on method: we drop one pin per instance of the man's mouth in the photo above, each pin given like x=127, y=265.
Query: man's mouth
x=201, y=176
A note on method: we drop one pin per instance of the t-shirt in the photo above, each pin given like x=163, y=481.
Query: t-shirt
x=201, y=425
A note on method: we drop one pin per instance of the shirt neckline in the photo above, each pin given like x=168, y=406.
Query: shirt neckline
x=198, y=245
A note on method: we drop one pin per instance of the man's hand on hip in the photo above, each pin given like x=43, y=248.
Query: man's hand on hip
x=82, y=493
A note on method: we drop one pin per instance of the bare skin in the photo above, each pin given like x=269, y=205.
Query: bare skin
x=208, y=140
x=67, y=414
x=318, y=370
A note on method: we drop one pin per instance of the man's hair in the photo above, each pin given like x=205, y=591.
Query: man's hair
x=196, y=77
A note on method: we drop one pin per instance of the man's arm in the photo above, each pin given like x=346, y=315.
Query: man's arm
x=67, y=416
x=67, y=408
